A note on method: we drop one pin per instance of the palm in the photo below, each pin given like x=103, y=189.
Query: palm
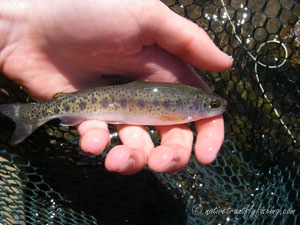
x=63, y=52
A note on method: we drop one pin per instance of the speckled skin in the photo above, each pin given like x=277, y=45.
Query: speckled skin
x=143, y=103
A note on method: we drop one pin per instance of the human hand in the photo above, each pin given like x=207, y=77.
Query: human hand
x=62, y=46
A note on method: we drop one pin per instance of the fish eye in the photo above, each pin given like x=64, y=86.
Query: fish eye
x=215, y=104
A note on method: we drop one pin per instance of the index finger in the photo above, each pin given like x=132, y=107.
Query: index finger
x=187, y=40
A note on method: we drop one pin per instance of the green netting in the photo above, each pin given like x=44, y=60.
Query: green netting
x=46, y=180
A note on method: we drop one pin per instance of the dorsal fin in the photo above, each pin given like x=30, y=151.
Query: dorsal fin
x=57, y=95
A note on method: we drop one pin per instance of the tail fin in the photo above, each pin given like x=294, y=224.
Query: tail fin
x=20, y=114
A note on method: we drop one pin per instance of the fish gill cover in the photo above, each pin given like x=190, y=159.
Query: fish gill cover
x=255, y=178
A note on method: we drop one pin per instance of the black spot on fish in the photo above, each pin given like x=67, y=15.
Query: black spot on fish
x=155, y=102
x=56, y=110
x=82, y=105
x=178, y=102
x=194, y=106
x=123, y=102
x=141, y=103
x=112, y=98
x=44, y=113
x=66, y=107
x=94, y=100
x=104, y=102
x=166, y=103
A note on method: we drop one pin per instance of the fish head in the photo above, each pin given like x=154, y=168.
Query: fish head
x=206, y=104
x=213, y=105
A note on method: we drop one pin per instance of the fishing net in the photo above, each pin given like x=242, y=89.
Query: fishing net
x=255, y=178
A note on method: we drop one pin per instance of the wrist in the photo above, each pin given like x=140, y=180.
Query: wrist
x=13, y=17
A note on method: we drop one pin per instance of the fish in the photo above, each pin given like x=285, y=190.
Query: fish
x=135, y=103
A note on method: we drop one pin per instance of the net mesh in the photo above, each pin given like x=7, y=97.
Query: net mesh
x=47, y=180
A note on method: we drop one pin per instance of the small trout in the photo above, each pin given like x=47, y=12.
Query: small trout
x=140, y=103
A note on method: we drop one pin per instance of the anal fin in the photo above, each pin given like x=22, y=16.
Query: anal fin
x=71, y=120
x=74, y=120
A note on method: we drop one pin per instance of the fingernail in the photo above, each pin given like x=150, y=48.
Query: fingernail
x=129, y=165
x=173, y=167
